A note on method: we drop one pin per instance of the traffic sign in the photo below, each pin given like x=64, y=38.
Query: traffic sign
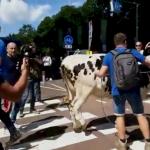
x=68, y=46
x=68, y=40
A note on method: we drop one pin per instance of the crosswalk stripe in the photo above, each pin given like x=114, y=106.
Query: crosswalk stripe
x=42, y=112
x=106, y=128
x=146, y=101
x=64, y=108
x=48, y=102
x=136, y=145
x=64, y=140
x=39, y=125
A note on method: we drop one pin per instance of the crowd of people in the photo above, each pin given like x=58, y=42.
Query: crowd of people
x=20, y=79
x=11, y=69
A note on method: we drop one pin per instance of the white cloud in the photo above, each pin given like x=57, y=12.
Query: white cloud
x=18, y=10
x=76, y=4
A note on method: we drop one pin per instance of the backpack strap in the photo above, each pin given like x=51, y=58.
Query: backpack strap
x=128, y=50
x=114, y=52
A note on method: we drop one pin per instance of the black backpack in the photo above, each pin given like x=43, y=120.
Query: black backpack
x=126, y=70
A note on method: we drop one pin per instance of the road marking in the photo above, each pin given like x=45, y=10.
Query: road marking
x=59, y=87
x=42, y=112
x=47, y=102
x=106, y=128
x=65, y=108
x=64, y=140
x=146, y=101
x=136, y=145
x=39, y=125
x=46, y=87
x=101, y=101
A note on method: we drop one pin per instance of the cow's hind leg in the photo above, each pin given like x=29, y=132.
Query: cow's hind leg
x=80, y=98
x=70, y=93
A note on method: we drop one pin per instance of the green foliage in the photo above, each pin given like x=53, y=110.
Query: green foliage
x=70, y=19
x=26, y=34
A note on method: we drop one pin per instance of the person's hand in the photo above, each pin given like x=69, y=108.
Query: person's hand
x=147, y=45
x=97, y=74
x=25, y=64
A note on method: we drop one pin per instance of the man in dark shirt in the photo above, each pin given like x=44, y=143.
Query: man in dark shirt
x=14, y=92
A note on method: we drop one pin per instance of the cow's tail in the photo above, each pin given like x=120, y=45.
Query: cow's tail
x=67, y=99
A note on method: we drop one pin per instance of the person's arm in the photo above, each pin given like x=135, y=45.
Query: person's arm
x=147, y=61
x=13, y=93
x=102, y=72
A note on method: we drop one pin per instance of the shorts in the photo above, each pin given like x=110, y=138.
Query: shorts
x=134, y=100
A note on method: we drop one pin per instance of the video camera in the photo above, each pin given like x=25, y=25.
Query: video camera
x=26, y=51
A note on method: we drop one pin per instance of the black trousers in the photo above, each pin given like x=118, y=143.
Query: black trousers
x=5, y=118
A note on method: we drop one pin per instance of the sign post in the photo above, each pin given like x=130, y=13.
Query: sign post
x=68, y=41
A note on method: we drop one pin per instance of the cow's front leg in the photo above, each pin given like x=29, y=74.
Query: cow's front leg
x=79, y=123
x=73, y=114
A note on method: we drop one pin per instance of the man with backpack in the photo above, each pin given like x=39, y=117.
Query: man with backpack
x=121, y=64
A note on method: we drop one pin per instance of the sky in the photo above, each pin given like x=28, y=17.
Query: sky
x=15, y=13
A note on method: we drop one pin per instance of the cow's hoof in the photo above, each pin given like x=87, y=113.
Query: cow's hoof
x=78, y=130
x=84, y=127
x=79, y=127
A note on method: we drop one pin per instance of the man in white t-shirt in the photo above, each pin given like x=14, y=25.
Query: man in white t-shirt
x=47, y=62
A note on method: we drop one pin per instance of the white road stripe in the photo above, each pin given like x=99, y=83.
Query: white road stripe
x=106, y=128
x=46, y=124
x=64, y=140
x=65, y=108
x=136, y=145
x=146, y=101
x=48, y=102
x=39, y=125
x=46, y=87
x=42, y=112
x=101, y=101
x=59, y=87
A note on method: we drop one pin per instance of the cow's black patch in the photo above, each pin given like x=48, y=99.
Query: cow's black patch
x=78, y=68
x=85, y=71
x=90, y=64
x=98, y=63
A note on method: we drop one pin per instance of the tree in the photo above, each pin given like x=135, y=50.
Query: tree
x=26, y=34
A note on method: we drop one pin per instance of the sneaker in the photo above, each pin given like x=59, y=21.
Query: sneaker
x=34, y=111
x=17, y=125
x=147, y=146
x=120, y=145
x=21, y=115
x=14, y=138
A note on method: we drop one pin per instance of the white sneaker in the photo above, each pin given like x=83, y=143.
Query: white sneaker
x=17, y=125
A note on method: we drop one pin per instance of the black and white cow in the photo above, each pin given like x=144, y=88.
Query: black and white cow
x=78, y=72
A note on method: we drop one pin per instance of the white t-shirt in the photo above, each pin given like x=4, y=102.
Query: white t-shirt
x=47, y=61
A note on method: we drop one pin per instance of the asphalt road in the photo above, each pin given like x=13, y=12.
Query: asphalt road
x=52, y=128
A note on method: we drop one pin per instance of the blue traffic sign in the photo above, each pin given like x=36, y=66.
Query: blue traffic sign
x=68, y=40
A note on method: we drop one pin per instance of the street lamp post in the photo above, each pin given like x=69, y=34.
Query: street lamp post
x=136, y=18
x=137, y=22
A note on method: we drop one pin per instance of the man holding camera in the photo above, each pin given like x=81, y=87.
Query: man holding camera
x=33, y=87
x=13, y=93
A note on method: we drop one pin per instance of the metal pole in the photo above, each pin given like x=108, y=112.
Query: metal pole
x=137, y=22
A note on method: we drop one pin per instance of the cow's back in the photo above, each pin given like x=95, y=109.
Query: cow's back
x=79, y=70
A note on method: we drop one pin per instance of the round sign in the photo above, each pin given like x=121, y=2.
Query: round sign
x=68, y=40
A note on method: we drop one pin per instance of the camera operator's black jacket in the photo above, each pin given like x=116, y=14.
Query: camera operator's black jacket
x=35, y=67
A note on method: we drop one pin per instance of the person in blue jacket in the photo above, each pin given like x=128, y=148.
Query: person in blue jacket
x=120, y=97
